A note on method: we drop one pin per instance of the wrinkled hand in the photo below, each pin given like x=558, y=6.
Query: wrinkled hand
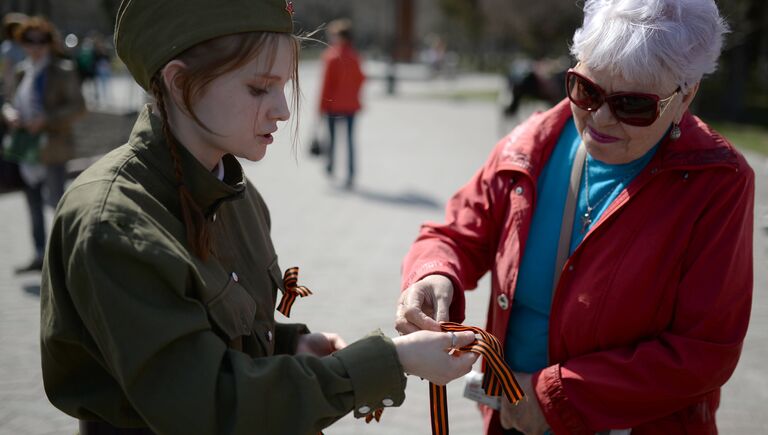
x=319, y=343
x=526, y=416
x=425, y=354
x=35, y=125
x=424, y=304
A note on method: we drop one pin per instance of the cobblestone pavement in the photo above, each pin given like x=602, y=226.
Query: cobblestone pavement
x=414, y=151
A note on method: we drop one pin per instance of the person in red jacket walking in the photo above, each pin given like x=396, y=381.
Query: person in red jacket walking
x=340, y=98
x=618, y=230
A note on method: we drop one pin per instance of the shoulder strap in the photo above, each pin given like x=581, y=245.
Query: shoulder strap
x=566, y=228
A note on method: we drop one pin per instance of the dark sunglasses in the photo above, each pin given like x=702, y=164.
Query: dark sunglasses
x=632, y=108
x=35, y=41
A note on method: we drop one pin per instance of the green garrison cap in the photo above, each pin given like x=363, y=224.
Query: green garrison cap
x=149, y=33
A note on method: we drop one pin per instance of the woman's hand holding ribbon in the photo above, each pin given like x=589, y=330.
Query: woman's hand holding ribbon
x=424, y=304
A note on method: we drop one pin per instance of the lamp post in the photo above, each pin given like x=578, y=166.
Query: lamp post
x=402, y=49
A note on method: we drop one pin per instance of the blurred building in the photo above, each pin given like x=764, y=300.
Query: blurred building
x=383, y=27
x=80, y=17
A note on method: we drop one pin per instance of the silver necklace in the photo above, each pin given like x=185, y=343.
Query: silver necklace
x=586, y=219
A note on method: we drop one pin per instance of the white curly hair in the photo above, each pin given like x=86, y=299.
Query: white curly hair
x=651, y=41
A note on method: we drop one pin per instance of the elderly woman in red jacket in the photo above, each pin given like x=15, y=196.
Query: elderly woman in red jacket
x=618, y=230
x=340, y=98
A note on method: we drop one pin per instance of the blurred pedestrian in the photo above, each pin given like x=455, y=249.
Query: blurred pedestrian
x=340, y=97
x=11, y=53
x=618, y=230
x=86, y=61
x=46, y=101
x=160, y=283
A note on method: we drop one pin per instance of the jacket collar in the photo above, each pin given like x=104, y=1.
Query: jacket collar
x=529, y=145
x=698, y=147
x=209, y=192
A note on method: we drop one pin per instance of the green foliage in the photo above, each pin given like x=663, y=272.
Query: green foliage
x=744, y=136
x=468, y=14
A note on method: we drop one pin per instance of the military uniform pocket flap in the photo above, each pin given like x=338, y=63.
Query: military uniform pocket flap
x=233, y=310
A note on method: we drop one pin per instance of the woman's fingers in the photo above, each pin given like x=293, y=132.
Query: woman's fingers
x=464, y=338
x=424, y=304
x=411, y=310
x=405, y=327
x=425, y=354
x=414, y=315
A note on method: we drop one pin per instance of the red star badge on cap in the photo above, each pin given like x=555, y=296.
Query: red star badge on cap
x=289, y=7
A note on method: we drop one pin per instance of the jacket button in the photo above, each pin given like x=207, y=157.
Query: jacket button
x=503, y=301
x=364, y=409
x=387, y=402
x=235, y=278
x=519, y=190
x=269, y=336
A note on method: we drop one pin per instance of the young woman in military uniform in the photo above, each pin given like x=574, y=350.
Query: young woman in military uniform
x=160, y=281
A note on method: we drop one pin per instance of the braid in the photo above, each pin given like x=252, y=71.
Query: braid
x=195, y=223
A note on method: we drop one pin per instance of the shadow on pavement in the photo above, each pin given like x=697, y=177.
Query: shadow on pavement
x=32, y=289
x=407, y=199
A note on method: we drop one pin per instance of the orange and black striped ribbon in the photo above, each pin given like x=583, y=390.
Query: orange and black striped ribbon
x=497, y=380
x=292, y=290
x=374, y=415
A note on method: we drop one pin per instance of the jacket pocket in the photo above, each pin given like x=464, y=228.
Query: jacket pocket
x=233, y=311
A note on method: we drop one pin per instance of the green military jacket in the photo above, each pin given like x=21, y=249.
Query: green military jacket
x=138, y=332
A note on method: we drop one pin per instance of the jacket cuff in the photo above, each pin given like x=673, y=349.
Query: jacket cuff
x=435, y=267
x=375, y=371
x=287, y=337
x=557, y=408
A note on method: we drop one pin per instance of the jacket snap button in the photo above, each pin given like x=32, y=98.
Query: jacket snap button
x=235, y=278
x=213, y=218
x=503, y=301
x=363, y=409
x=519, y=190
x=269, y=336
x=387, y=402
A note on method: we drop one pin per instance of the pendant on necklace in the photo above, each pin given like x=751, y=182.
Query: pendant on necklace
x=586, y=221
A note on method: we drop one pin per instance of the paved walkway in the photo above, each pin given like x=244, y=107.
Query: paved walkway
x=414, y=152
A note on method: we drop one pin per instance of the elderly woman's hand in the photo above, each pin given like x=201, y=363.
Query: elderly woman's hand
x=424, y=304
x=526, y=416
